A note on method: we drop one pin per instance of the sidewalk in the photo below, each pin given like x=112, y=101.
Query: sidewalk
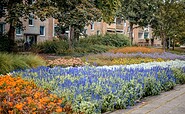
x=171, y=102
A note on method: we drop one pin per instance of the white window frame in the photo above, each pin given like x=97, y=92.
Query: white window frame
x=20, y=31
x=140, y=34
x=54, y=32
x=32, y=19
x=43, y=31
x=92, y=26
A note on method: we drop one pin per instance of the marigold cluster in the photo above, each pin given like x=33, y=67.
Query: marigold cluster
x=20, y=96
x=136, y=50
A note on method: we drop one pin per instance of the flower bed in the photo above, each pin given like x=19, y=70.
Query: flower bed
x=165, y=55
x=19, y=96
x=65, y=62
x=136, y=50
x=101, y=89
x=128, y=61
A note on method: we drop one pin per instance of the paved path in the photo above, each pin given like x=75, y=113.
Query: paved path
x=171, y=102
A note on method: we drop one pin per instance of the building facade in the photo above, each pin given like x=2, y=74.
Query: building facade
x=38, y=31
x=140, y=35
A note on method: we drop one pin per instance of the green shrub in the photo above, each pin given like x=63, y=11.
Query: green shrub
x=91, y=44
x=179, y=75
x=56, y=46
x=116, y=40
x=10, y=62
x=151, y=87
x=94, y=39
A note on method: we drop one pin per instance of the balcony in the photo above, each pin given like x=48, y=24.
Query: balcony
x=115, y=27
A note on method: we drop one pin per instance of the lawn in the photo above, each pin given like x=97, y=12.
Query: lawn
x=104, y=82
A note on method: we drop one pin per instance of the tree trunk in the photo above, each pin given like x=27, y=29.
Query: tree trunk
x=131, y=34
x=71, y=37
x=164, y=41
x=167, y=44
x=173, y=44
x=11, y=36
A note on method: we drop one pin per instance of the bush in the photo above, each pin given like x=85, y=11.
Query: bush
x=179, y=75
x=91, y=44
x=116, y=40
x=151, y=87
x=10, y=62
x=56, y=46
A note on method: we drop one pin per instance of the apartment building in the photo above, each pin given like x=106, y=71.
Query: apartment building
x=38, y=31
x=96, y=28
x=140, y=35
x=33, y=31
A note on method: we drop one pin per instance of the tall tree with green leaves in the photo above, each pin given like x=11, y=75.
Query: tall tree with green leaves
x=14, y=12
x=108, y=8
x=137, y=12
x=75, y=14
x=168, y=21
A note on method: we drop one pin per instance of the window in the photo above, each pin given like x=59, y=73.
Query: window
x=140, y=35
x=128, y=29
x=125, y=24
x=2, y=28
x=55, y=30
x=146, y=35
x=118, y=21
x=31, y=20
x=18, y=31
x=85, y=31
x=92, y=26
x=98, y=32
x=42, y=30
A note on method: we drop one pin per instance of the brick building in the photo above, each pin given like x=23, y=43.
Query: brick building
x=139, y=34
x=38, y=31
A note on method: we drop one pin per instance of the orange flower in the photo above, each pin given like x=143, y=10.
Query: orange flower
x=59, y=109
x=136, y=49
x=59, y=101
x=34, y=109
x=19, y=106
x=10, y=104
x=10, y=112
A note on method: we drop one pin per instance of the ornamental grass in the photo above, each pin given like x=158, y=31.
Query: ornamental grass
x=10, y=62
x=136, y=50
x=23, y=97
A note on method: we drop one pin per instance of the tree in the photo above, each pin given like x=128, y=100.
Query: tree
x=137, y=12
x=168, y=21
x=75, y=14
x=14, y=12
x=108, y=8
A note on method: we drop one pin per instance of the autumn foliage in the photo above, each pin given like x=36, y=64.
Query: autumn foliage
x=24, y=97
